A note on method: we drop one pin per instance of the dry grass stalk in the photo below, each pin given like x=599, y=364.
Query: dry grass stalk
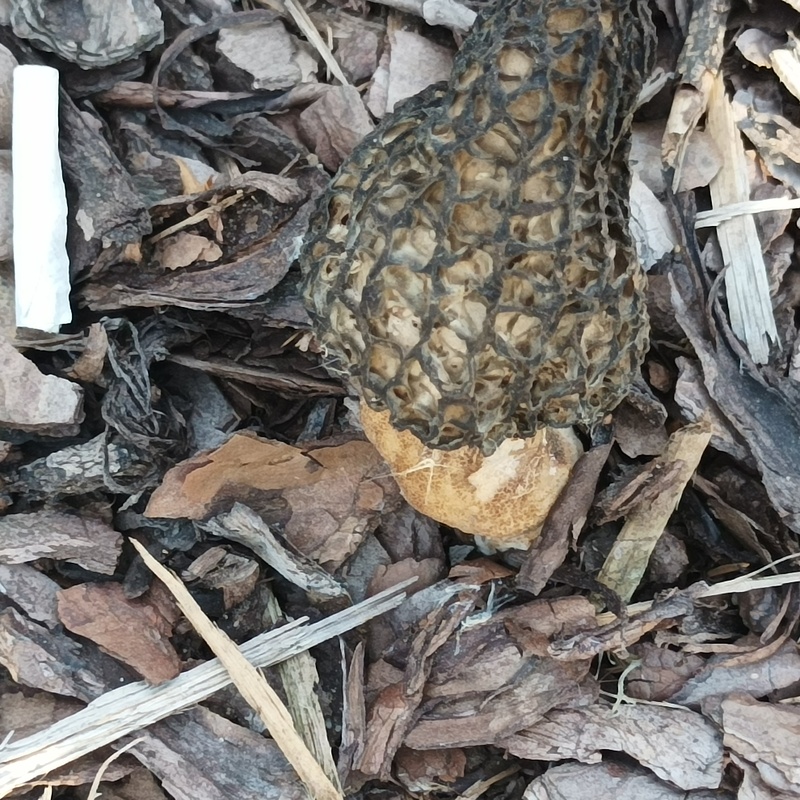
x=628, y=559
x=746, y=281
x=130, y=708
x=251, y=684
x=299, y=676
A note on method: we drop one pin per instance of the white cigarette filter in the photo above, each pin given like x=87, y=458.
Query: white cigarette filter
x=41, y=264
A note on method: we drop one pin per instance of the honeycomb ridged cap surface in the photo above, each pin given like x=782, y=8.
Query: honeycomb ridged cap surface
x=470, y=268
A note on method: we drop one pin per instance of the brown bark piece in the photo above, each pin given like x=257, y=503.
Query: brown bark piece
x=427, y=572
x=622, y=633
x=496, y=675
x=107, y=209
x=269, y=375
x=22, y=716
x=776, y=138
x=564, y=522
x=393, y=713
x=243, y=525
x=201, y=485
x=331, y=519
x=26, y=715
x=679, y=746
x=661, y=672
x=104, y=41
x=426, y=771
x=759, y=676
x=640, y=423
x=702, y=159
x=692, y=396
x=651, y=226
x=236, y=576
x=32, y=591
x=358, y=54
x=767, y=736
x=139, y=785
x=354, y=716
x=55, y=662
x=255, y=219
x=90, y=543
x=200, y=754
x=35, y=403
x=79, y=469
x=268, y=53
x=644, y=523
x=766, y=416
x=609, y=779
x=251, y=683
x=134, y=631
x=698, y=66
x=540, y=686
x=326, y=499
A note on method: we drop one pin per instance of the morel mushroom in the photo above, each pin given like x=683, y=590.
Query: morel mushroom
x=470, y=268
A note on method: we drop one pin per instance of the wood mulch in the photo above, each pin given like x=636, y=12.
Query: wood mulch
x=645, y=646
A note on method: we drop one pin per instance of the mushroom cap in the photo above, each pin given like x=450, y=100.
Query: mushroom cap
x=470, y=268
x=503, y=497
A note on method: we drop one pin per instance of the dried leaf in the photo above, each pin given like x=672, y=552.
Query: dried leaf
x=184, y=249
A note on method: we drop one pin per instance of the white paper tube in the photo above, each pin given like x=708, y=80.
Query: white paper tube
x=41, y=265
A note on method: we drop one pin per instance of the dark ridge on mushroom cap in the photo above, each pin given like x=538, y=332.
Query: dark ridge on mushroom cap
x=470, y=267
